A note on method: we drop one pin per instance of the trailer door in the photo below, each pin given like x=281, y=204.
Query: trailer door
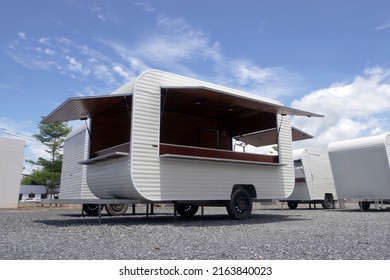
x=316, y=184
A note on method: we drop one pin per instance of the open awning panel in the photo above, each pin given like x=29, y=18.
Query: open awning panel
x=82, y=108
x=269, y=137
x=178, y=97
x=184, y=95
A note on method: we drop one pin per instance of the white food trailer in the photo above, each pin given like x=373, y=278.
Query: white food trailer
x=361, y=169
x=313, y=179
x=168, y=138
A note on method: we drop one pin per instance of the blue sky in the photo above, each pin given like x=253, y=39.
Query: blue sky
x=330, y=57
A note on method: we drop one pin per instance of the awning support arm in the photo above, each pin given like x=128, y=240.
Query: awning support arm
x=89, y=132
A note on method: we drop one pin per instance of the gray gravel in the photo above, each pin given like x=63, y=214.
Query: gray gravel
x=272, y=234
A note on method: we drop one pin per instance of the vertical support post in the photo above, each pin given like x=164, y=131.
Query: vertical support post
x=100, y=213
x=133, y=207
x=174, y=210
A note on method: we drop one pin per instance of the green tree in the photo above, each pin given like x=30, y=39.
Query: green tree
x=52, y=135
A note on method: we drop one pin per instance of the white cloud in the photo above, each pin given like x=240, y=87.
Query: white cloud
x=22, y=35
x=271, y=82
x=121, y=71
x=50, y=52
x=175, y=46
x=179, y=47
x=74, y=65
x=67, y=58
x=353, y=110
x=146, y=6
x=384, y=26
x=97, y=11
x=87, y=91
x=176, y=43
x=44, y=40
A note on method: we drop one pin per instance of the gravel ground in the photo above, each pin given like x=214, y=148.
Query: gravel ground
x=58, y=233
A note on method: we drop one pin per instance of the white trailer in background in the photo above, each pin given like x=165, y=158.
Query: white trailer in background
x=313, y=179
x=74, y=187
x=73, y=175
x=361, y=169
x=167, y=138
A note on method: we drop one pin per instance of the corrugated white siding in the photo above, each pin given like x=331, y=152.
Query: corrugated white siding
x=111, y=179
x=361, y=167
x=126, y=88
x=175, y=179
x=73, y=176
x=286, y=157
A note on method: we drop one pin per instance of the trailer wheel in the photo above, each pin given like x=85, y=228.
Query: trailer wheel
x=292, y=204
x=240, y=205
x=187, y=210
x=116, y=209
x=91, y=209
x=364, y=205
x=328, y=201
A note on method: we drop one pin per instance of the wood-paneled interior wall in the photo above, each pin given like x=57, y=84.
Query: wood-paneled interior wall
x=110, y=128
x=189, y=130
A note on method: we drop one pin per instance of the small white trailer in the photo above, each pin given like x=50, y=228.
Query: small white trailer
x=313, y=179
x=73, y=175
x=361, y=169
x=167, y=138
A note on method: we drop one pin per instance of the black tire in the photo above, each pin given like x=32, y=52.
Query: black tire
x=116, y=209
x=364, y=205
x=292, y=204
x=240, y=205
x=187, y=210
x=328, y=202
x=91, y=209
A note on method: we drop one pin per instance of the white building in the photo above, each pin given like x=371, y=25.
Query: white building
x=32, y=193
x=11, y=166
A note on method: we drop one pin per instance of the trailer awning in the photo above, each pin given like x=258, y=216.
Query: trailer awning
x=181, y=95
x=269, y=136
x=77, y=108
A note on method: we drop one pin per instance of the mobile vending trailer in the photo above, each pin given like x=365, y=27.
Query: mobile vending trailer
x=361, y=169
x=313, y=179
x=168, y=138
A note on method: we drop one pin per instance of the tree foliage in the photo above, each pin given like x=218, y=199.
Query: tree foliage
x=52, y=135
